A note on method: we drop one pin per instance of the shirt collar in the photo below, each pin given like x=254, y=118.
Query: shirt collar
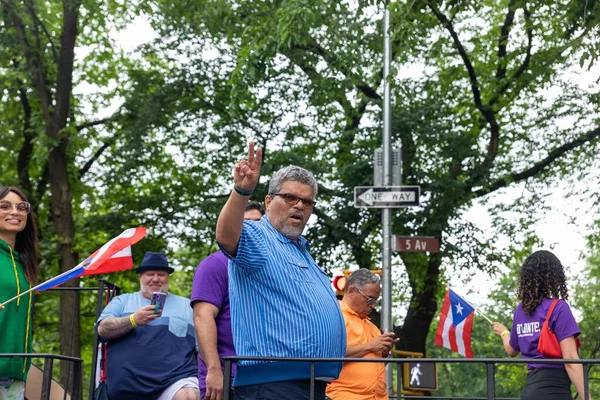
x=302, y=242
x=346, y=308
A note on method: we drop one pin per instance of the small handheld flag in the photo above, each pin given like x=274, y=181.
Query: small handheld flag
x=114, y=256
x=456, y=323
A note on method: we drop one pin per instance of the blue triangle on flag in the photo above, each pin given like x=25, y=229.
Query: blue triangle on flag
x=460, y=308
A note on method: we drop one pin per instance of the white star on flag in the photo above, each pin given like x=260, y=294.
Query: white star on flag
x=459, y=308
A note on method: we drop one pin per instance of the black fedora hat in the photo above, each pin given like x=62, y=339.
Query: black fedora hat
x=154, y=260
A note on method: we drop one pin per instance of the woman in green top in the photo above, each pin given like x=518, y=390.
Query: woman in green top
x=18, y=272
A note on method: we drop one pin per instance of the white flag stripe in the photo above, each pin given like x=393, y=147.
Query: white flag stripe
x=126, y=252
x=126, y=234
x=460, y=340
x=446, y=332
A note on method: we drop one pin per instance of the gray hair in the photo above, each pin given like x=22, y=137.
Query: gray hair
x=361, y=278
x=292, y=173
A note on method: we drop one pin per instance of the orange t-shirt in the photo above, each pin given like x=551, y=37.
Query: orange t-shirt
x=359, y=381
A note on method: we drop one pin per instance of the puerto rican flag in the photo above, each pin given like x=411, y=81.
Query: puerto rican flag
x=456, y=323
x=114, y=256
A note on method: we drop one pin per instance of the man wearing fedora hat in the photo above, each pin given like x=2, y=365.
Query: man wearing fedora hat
x=151, y=352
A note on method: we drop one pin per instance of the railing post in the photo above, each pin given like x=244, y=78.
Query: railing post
x=47, y=378
x=77, y=390
x=491, y=380
x=227, y=380
x=586, y=386
x=312, y=380
x=99, y=304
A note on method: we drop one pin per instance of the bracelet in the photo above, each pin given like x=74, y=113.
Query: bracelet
x=132, y=320
x=242, y=192
x=504, y=333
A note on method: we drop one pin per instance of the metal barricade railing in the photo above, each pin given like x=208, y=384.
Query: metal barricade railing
x=48, y=366
x=490, y=364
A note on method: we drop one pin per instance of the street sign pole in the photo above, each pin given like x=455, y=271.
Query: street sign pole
x=386, y=216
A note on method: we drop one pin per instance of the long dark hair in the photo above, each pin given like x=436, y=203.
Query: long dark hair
x=26, y=242
x=542, y=276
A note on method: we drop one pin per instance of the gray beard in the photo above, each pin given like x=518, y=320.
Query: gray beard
x=291, y=233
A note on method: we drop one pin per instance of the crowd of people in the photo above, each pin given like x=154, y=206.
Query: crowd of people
x=261, y=295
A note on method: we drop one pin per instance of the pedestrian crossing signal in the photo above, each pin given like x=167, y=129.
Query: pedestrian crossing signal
x=420, y=375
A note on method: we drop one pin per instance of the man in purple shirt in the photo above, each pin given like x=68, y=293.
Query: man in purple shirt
x=212, y=320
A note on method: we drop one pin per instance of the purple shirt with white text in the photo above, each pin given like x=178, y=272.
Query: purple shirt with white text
x=525, y=333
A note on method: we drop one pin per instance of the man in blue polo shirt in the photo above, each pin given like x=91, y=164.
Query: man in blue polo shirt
x=282, y=303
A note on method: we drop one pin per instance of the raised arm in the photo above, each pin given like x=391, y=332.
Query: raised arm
x=245, y=178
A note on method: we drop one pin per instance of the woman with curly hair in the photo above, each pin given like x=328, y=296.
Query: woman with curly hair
x=18, y=273
x=542, y=279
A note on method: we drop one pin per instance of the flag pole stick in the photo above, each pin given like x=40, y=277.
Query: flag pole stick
x=41, y=284
x=472, y=305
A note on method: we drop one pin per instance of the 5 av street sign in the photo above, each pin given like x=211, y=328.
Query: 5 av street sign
x=386, y=196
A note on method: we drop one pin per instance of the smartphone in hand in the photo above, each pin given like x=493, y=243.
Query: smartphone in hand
x=158, y=301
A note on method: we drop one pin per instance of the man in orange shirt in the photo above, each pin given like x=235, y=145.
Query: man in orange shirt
x=362, y=381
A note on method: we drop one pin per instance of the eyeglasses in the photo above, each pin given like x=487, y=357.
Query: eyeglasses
x=293, y=200
x=22, y=207
x=370, y=300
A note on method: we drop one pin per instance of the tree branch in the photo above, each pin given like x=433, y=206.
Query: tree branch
x=503, y=40
x=33, y=62
x=97, y=122
x=37, y=22
x=522, y=68
x=540, y=165
x=462, y=52
x=333, y=61
x=26, y=150
x=64, y=81
x=486, y=111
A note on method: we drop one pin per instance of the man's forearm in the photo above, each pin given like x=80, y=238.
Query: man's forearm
x=114, y=327
x=206, y=333
x=230, y=222
x=358, y=350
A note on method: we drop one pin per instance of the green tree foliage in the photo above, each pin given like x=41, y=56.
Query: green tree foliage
x=586, y=299
x=304, y=78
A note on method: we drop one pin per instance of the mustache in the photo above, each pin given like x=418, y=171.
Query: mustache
x=298, y=214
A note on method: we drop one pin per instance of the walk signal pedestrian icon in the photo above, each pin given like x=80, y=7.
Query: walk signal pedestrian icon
x=420, y=376
x=415, y=372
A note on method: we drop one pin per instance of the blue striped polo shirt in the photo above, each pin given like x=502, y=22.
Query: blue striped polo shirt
x=282, y=305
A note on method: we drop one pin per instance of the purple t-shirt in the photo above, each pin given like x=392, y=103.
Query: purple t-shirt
x=525, y=333
x=211, y=284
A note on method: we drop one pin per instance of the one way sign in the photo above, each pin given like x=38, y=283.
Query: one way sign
x=386, y=196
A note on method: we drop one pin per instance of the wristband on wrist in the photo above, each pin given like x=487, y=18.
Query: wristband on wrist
x=504, y=333
x=242, y=192
x=132, y=320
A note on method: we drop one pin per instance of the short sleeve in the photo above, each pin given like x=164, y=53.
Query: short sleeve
x=562, y=322
x=210, y=281
x=514, y=339
x=115, y=308
x=252, y=248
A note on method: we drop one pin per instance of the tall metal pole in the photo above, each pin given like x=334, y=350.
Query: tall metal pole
x=386, y=217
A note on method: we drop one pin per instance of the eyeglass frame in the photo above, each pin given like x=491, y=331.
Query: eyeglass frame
x=370, y=300
x=308, y=203
x=15, y=206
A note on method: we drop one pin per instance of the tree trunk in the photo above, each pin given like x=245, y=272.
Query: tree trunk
x=422, y=308
x=62, y=216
